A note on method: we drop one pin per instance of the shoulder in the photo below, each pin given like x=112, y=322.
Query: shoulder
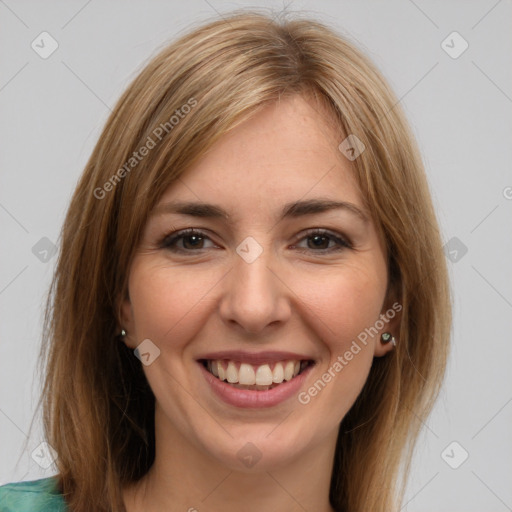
x=34, y=496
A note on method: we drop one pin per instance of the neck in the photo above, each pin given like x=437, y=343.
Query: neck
x=186, y=478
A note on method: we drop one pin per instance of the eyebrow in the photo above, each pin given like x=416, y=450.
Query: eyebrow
x=290, y=210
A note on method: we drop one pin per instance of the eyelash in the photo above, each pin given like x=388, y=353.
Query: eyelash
x=170, y=239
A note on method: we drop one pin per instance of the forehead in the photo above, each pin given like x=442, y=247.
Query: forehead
x=286, y=151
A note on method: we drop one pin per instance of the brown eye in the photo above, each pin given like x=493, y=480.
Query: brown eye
x=190, y=240
x=318, y=240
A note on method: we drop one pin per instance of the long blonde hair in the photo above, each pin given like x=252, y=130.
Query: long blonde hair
x=98, y=409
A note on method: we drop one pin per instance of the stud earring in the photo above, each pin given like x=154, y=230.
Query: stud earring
x=387, y=337
x=123, y=333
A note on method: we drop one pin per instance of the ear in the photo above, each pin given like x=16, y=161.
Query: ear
x=126, y=320
x=391, y=317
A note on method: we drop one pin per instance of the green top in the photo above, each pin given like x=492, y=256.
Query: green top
x=34, y=496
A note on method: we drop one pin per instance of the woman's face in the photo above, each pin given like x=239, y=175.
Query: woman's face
x=268, y=285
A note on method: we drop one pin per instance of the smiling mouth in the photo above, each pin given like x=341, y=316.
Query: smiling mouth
x=252, y=377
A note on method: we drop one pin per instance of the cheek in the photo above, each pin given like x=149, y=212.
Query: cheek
x=166, y=301
x=341, y=311
x=345, y=302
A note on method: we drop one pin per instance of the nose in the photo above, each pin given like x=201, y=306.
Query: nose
x=255, y=298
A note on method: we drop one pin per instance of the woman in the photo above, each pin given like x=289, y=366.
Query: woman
x=251, y=308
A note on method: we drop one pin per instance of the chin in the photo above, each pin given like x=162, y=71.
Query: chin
x=258, y=449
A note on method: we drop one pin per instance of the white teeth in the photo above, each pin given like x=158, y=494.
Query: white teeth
x=288, y=370
x=249, y=375
x=264, y=375
x=220, y=370
x=278, y=373
x=246, y=375
x=232, y=373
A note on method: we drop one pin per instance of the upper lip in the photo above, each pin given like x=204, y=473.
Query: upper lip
x=255, y=357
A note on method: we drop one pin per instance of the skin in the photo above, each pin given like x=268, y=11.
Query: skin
x=312, y=302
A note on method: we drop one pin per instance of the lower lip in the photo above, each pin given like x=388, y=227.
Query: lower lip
x=255, y=399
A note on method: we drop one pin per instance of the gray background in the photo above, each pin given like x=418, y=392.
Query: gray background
x=52, y=111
